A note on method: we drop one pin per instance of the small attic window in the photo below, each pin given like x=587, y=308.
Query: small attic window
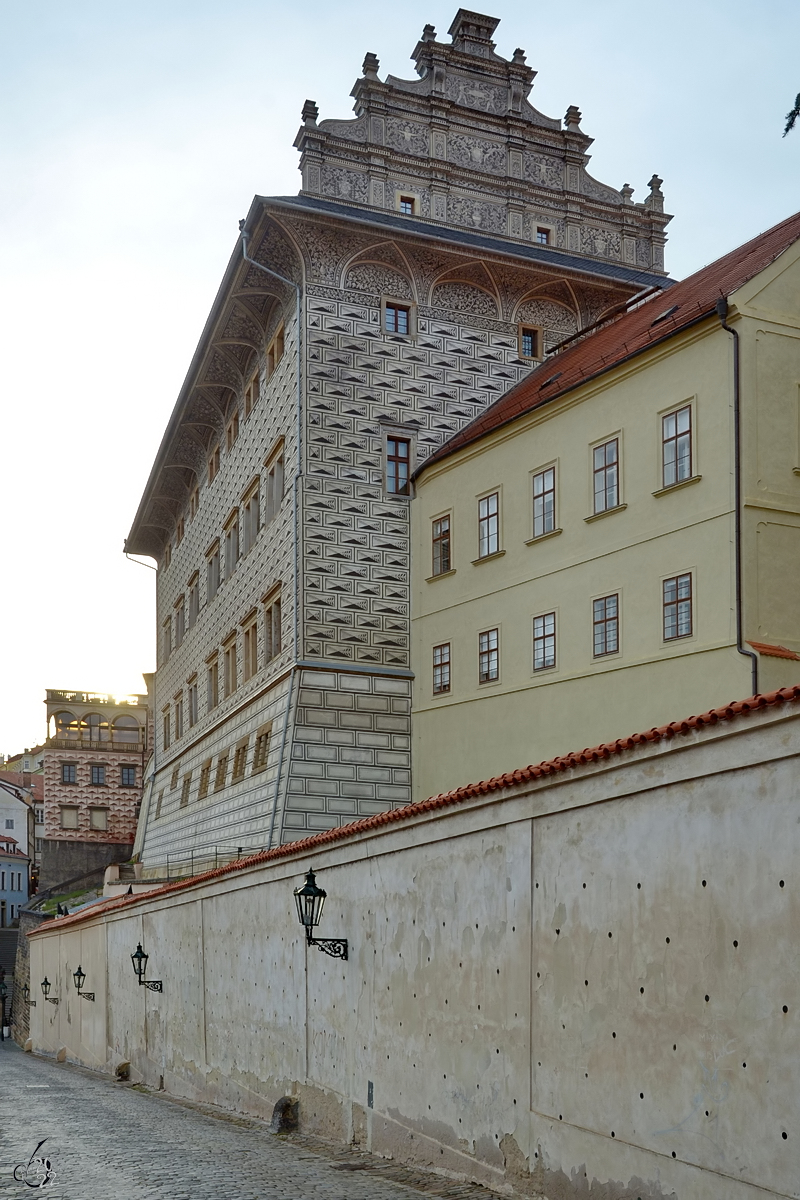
x=663, y=316
x=406, y=205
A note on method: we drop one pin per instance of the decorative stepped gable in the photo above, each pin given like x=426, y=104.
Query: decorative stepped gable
x=466, y=145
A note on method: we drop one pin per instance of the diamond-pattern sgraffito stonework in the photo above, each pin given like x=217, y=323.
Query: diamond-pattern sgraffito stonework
x=382, y=307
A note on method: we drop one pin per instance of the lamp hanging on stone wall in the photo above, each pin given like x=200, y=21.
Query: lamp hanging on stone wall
x=310, y=901
x=26, y=996
x=79, y=976
x=46, y=985
x=139, y=960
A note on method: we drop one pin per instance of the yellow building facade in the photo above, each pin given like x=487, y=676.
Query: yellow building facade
x=576, y=556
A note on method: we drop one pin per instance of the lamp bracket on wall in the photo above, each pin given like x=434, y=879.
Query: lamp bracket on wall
x=336, y=947
x=155, y=985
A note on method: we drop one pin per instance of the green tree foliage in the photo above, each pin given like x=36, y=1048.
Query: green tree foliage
x=792, y=116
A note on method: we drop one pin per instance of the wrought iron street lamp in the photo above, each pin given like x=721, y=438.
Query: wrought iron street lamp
x=79, y=976
x=26, y=996
x=46, y=985
x=139, y=960
x=310, y=901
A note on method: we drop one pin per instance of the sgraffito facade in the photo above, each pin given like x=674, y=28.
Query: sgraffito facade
x=444, y=240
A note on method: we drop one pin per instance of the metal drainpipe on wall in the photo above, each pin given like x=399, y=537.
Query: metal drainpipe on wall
x=295, y=503
x=722, y=313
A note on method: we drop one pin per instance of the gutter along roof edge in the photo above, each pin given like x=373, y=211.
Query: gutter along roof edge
x=445, y=800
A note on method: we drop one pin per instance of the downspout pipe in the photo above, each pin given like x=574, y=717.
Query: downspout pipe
x=295, y=505
x=722, y=313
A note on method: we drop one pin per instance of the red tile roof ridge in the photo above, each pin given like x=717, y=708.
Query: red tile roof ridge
x=553, y=766
x=770, y=651
x=627, y=335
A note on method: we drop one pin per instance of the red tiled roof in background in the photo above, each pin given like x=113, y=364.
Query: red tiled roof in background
x=35, y=783
x=554, y=766
x=774, y=651
x=656, y=319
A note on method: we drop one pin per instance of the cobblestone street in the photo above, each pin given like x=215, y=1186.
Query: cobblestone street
x=109, y=1141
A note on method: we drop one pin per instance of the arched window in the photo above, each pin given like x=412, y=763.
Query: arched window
x=126, y=729
x=94, y=728
x=66, y=726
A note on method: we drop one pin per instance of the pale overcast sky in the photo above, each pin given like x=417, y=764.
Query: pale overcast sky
x=133, y=139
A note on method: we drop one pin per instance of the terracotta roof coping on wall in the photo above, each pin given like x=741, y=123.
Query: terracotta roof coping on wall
x=656, y=319
x=553, y=766
x=774, y=651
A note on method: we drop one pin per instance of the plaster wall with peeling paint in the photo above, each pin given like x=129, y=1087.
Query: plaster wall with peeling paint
x=580, y=986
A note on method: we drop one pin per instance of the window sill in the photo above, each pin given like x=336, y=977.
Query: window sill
x=673, y=487
x=543, y=537
x=606, y=512
x=487, y=557
x=441, y=575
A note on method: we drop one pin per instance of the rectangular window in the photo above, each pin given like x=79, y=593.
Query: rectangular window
x=677, y=603
x=39, y=816
x=38, y=842
x=676, y=446
x=232, y=431
x=166, y=728
x=250, y=665
x=180, y=529
x=194, y=503
x=127, y=776
x=275, y=351
x=222, y=771
x=178, y=717
x=605, y=460
x=441, y=545
x=398, y=459
x=605, y=625
x=180, y=622
x=239, y=760
x=173, y=781
x=159, y=802
x=185, y=786
x=205, y=774
x=166, y=639
x=530, y=341
x=98, y=776
x=231, y=672
x=489, y=525
x=544, y=641
x=542, y=236
x=397, y=318
x=194, y=600
x=261, y=752
x=191, y=701
x=231, y=545
x=544, y=502
x=212, y=572
x=275, y=484
x=167, y=555
x=69, y=817
x=251, y=513
x=272, y=628
x=406, y=205
x=98, y=818
x=251, y=395
x=9, y=822
x=488, y=656
x=212, y=683
x=441, y=668
x=213, y=464
x=69, y=773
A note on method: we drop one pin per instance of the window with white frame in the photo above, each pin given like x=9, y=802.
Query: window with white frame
x=488, y=656
x=544, y=641
x=440, y=537
x=605, y=473
x=544, y=502
x=441, y=668
x=605, y=625
x=489, y=525
x=677, y=607
x=676, y=446
x=398, y=465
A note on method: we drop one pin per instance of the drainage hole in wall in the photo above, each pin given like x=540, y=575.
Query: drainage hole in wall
x=537, y=885
x=704, y=883
x=785, y=1009
x=744, y=1064
x=706, y=1112
x=584, y=887
x=558, y=931
x=586, y=983
x=498, y=970
x=609, y=934
x=535, y=1154
x=782, y=884
x=461, y=964
x=613, y=1035
x=538, y=975
x=674, y=1155
x=639, y=886
x=706, y=1000
x=560, y=1117
x=784, y=1135
x=563, y=1027
x=515, y=1102
x=666, y=940
x=641, y=1095
x=674, y=1047
x=641, y=991
x=479, y=1008
x=735, y=944
x=612, y=1133
x=539, y=1064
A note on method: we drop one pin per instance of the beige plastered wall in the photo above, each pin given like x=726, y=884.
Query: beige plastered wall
x=583, y=701
x=584, y=985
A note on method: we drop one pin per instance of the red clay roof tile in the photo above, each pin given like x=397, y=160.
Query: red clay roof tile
x=657, y=318
x=774, y=651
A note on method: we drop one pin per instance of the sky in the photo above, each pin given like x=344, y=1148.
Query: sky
x=133, y=138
